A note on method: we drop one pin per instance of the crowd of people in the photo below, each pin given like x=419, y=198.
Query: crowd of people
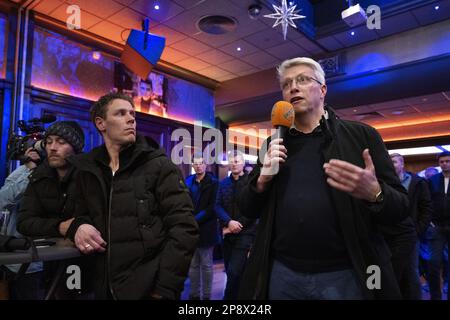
x=325, y=204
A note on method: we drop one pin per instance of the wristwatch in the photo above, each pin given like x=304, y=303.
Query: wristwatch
x=379, y=197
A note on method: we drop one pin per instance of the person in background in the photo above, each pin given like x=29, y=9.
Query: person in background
x=48, y=204
x=203, y=189
x=238, y=230
x=430, y=171
x=405, y=248
x=440, y=228
x=31, y=285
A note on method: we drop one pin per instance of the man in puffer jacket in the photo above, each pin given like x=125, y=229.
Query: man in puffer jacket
x=134, y=210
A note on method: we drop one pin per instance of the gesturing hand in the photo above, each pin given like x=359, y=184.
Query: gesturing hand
x=358, y=182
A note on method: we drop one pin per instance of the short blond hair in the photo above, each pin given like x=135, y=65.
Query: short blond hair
x=317, y=68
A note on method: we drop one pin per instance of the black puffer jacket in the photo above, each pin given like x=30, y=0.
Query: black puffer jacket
x=144, y=213
x=47, y=202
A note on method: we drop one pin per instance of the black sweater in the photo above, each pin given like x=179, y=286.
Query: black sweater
x=308, y=237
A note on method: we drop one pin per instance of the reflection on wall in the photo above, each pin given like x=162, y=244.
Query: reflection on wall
x=148, y=95
x=167, y=97
x=62, y=65
x=3, y=48
x=190, y=102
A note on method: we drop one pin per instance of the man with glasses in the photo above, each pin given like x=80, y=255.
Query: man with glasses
x=320, y=193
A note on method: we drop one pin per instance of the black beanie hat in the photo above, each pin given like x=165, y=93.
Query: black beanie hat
x=69, y=131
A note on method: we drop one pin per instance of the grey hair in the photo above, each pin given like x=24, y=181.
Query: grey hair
x=397, y=155
x=317, y=68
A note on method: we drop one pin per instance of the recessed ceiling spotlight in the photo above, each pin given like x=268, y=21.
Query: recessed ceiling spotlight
x=96, y=55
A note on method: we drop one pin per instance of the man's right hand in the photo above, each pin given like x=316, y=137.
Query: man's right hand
x=89, y=240
x=234, y=226
x=275, y=155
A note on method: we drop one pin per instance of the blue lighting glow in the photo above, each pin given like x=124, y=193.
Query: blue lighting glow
x=156, y=7
x=352, y=33
x=436, y=8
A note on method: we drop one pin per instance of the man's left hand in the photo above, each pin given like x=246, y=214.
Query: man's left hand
x=358, y=182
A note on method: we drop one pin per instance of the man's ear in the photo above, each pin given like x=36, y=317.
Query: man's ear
x=324, y=90
x=100, y=124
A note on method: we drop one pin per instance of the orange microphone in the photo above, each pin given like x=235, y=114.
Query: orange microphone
x=282, y=117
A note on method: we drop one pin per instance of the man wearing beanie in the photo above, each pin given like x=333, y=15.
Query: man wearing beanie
x=135, y=214
x=47, y=207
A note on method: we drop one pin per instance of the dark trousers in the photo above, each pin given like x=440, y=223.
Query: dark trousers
x=30, y=286
x=409, y=279
x=405, y=260
x=235, y=251
x=439, y=237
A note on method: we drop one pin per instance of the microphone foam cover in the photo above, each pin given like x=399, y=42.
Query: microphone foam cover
x=282, y=114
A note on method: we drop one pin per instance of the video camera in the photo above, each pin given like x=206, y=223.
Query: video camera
x=34, y=133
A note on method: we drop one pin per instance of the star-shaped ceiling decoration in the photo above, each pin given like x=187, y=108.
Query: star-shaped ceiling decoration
x=285, y=16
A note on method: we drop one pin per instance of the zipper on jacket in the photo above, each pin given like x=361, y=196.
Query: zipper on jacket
x=111, y=290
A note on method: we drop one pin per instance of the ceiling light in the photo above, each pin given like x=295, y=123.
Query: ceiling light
x=238, y=49
x=96, y=55
x=156, y=7
x=436, y=8
x=352, y=33
x=413, y=151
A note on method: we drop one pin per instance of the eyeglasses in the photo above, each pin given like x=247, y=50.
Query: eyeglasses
x=300, y=80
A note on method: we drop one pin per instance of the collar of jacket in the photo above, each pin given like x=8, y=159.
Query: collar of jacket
x=415, y=179
x=144, y=147
x=207, y=180
x=232, y=180
x=44, y=171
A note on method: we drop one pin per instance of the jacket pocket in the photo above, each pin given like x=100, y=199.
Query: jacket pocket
x=152, y=237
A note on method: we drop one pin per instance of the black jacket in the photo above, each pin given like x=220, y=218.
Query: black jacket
x=441, y=201
x=144, y=213
x=47, y=202
x=420, y=204
x=227, y=204
x=358, y=220
x=420, y=211
x=204, y=209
